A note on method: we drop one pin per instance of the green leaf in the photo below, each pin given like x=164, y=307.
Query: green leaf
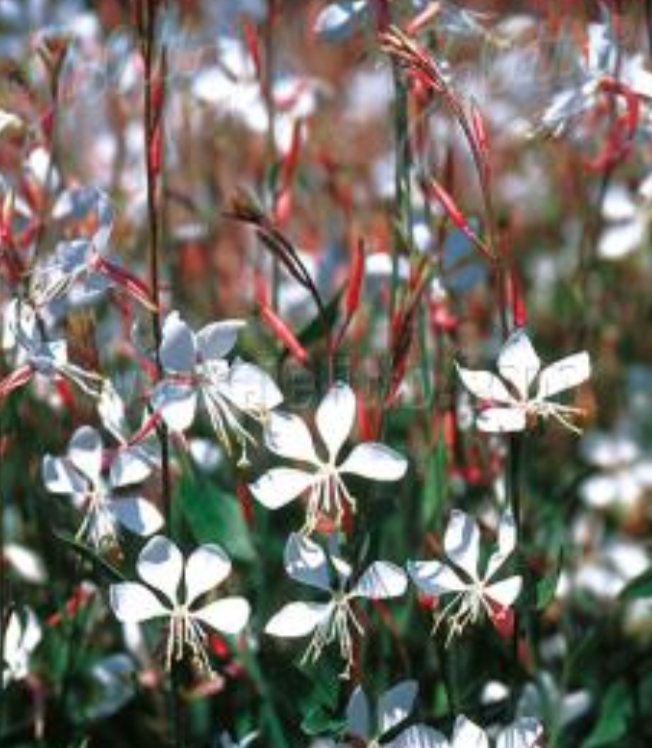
x=547, y=586
x=613, y=723
x=434, y=491
x=101, y=564
x=318, y=721
x=640, y=586
x=214, y=516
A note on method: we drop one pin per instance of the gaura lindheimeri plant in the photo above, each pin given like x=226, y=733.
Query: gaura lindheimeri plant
x=329, y=621
x=473, y=592
x=161, y=565
x=392, y=709
x=511, y=407
x=196, y=367
x=21, y=637
x=80, y=475
x=288, y=436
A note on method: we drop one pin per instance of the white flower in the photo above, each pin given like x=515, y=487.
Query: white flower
x=626, y=473
x=196, y=367
x=115, y=679
x=287, y=436
x=79, y=475
x=35, y=353
x=307, y=562
x=473, y=592
x=161, y=565
x=392, y=709
x=512, y=408
x=524, y=733
x=21, y=637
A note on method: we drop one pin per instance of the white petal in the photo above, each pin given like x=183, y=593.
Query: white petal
x=128, y=468
x=206, y=568
x=85, y=453
x=434, y=578
x=504, y=592
x=306, y=562
x=357, y=714
x=295, y=620
x=279, y=486
x=395, y=705
x=419, y=736
x=501, y=420
x=335, y=416
x=133, y=603
x=138, y=515
x=524, y=733
x=484, y=385
x=288, y=436
x=467, y=734
x=382, y=580
x=506, y=544
x=217, y=339
x=339, y=19
x=177, y=404
x=462, y=542
x=564, y=374
x=229, y=615
x=160, y=564
x=619, y=240
x=59, y=476
x=178, y=352
x=518, y=362
x=250, y=388
x=375, y=461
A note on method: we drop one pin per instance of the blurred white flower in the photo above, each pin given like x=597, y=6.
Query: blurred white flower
x=625, y=472
x=161, y=565
x=288, y=436
x=511, y=407
x=329, y=621
x=21, y=637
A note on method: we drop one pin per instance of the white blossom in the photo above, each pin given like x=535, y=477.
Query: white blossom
x=511, y=406
x=196, y=368
x=288, y=436
x=333, y=619
x=472, y=591
x=80, y=475
x=161, y=565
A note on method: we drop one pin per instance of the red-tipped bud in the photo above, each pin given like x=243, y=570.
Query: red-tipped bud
x=283, y=333
x=454, y=213
x=517, y=300
x=283, y=206
x=135, y=287
x=155, y=156
x=16, y=379
x=250, y=37
x=356, y=277
x=421, y=20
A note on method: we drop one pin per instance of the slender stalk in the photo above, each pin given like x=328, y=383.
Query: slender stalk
x=153, y=116
x=154, y=70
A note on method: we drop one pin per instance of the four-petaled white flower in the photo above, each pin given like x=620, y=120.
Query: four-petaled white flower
x=196, y=367
x=21, y=637
x=80, y=475
x=329, y=621
x=288, y=436
x=511, y=406
x=161, y=565
x=392, y=709
x=473, y=592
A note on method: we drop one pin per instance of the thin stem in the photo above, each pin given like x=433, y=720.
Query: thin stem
x=515, y=501
x=152, y=123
